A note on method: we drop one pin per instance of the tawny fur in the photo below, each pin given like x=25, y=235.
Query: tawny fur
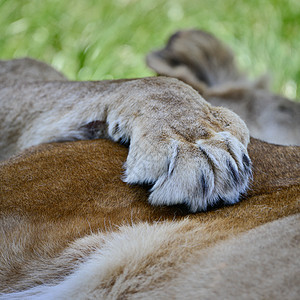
x=204, y=62
x=62, y=205
x=54, y=195
x=190, y=151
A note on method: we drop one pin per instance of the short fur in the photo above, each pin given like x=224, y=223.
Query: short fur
x=71, y=228
x=62, y=205
x=190, y=151
x=204, y=62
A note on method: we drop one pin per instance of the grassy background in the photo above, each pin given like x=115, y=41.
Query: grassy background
x=104, y=39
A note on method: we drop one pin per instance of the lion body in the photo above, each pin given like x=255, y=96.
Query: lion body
x=170, y=128
x=71, y=228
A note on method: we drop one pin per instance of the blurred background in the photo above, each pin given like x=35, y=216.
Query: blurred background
x=108, y=39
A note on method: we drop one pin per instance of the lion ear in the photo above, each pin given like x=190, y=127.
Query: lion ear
x=166, y=64
x=161, y=63
x=180, y=59
x=197, y=58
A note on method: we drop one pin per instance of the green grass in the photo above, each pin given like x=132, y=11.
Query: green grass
x=103, y=39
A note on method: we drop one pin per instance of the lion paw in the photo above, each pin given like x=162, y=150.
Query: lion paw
x=197, y=174
x=190, y=151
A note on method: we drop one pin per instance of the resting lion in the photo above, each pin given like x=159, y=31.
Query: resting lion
x=71, y=228
x=204, y=62
x=190, y=151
